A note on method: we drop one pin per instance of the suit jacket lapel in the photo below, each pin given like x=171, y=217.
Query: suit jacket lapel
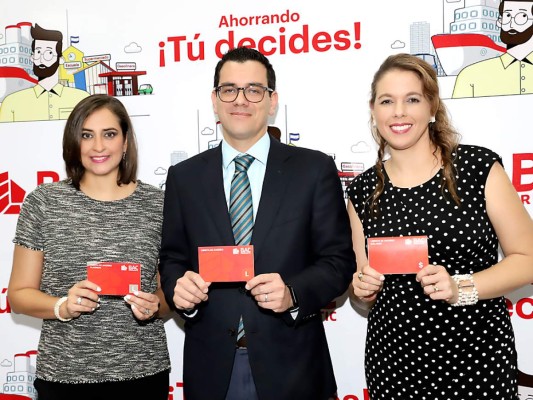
x=274, y=186
x=215, y=199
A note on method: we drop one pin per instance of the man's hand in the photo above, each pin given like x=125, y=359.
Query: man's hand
x=270, y=292
x=190, y=290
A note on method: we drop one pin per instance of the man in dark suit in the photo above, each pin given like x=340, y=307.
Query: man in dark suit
x=302, y=251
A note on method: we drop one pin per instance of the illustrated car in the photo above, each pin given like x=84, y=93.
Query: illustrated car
x=145, y=89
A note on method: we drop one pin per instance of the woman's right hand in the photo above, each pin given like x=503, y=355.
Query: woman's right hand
x=367, y=283
x=82, y=298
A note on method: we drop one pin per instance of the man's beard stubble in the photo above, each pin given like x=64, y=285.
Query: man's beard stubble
x=512, y=40
x=45, y=72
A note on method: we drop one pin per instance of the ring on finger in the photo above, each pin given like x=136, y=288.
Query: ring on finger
x=147, y=311
x=435, y=288
x=360, y=276
x=78, y=301
x=266, y=297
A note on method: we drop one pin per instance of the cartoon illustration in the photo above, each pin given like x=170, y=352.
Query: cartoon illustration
x=348, y=171
x=473, y=36
x=19, y=381
x=457, y=51
x=49, y=99
x=511, y=72
x=16, y=71
x=146, y=89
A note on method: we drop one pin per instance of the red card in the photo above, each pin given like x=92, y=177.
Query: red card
x=398, y=255
x=226, y=263
x=115, y=278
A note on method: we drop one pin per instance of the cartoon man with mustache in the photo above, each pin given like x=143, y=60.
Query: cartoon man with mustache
x=48, y=100
x=512, y=72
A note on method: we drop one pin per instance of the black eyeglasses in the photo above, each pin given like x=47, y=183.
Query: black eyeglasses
x=46, y=55
x=520, y=18
x=252, y=93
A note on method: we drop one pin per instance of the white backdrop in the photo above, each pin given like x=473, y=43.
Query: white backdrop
x=324, y=57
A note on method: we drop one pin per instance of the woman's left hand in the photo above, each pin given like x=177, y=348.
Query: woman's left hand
x=143, y=305
x=437, y=283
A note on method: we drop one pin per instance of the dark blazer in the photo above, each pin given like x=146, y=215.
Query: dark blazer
x=301, y=231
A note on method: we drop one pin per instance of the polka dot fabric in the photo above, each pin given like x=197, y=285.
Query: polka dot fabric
x=418, y=348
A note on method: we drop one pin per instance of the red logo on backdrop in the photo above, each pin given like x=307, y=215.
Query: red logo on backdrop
x=523, y=308
x=329, y=312
x=354, y=397
x=5, y=308
x=11, y=195
x=520, y=170
x=176, y=396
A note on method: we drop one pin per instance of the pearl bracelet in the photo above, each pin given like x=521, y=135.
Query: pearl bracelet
x=465, y=298
x=56, y=309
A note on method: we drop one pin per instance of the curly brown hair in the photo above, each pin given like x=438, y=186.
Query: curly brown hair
x=441, y=133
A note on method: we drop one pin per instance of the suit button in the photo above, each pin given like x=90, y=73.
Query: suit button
x=232, y=332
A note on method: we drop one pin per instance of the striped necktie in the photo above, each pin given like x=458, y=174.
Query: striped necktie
x=240, y=203
x=241, y=209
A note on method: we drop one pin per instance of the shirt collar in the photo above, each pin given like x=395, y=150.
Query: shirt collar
x=57, y=90
x=529, y=58
x=508, y=59
x=259, y=151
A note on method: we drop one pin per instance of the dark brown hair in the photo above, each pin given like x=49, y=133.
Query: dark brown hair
x=38, y=33
x=501, y=6
x=72, y=137
x=241, y=55
x=441, y=133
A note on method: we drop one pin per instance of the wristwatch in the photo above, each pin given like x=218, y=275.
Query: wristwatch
x=294, y=299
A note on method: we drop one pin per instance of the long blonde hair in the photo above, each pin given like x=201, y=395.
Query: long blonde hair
x=441, y=133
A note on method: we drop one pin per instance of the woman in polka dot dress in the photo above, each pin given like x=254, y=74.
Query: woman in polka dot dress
x=444, y=333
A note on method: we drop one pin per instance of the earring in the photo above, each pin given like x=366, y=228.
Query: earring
x=373, y=122
x=432, y=120
x=124, y=156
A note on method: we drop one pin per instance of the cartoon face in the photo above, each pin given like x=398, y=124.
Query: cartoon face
x=45, y=53
x=45, y=59
x=516, y=22
x=516, y=15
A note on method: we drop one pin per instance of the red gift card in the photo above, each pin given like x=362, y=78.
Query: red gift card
x=226, y=263
x=115, y=278
x=398, y=255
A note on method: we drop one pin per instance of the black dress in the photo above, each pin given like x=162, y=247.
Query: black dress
x=418, y=348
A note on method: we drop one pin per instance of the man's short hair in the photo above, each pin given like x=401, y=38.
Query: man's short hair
x=500, y=8
x=38, y=33
x=241, y=55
